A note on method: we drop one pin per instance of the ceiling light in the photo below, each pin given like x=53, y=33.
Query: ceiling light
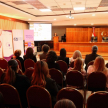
x=92, y=24
x=93, y=14
x=75, y=24
x=79, y=8
x=54, y=19
x=45, y=10
x=29, y=19
x=70, y=17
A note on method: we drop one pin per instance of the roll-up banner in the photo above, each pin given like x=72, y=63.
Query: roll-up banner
x=7, y=44
x=1, y=51
x=29, y=38
x=18, y=41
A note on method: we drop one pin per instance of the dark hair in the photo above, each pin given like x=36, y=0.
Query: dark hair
x=63, y=52
x=10, y=76
x=64, y=103
x=45, y=48
x=94, y=49
x=51, y=56
x=29, y=52
x=2, y=105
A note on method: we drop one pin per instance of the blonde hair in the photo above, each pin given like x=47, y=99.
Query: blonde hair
x=76, y=54
x=99, y=63
x=40, y=72
x=78, y=64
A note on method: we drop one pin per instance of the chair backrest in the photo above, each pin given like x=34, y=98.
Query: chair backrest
x=98, y=100
x=38, y=97
x=1, y=72
x=72, y=94
x=11, y=95
x=72, y=64
x=56, y=75
x=90, y=63
x=63, y=66
x=28, y=72
x=29, y=63
x=3, y=63
x=19, y=63
x=75, y=78
x=96, y=81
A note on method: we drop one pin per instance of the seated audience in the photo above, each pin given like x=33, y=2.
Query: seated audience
x=42, y=78
x=76, y=54
x=51, y=58
x=63, y=56
x=30, y=55
x=99, y=65
x=45, y=49
x=20, y=82
x=17, y=54
x=91, y=56
x=64, y=103
x=78, y=65
x=2, y=105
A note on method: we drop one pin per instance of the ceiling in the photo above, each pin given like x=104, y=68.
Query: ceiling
x=95, y=13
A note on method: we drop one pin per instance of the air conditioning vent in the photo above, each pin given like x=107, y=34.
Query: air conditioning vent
x=18, y=2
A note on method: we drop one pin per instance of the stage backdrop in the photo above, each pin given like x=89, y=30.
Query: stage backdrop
x=1, y=55
x=7, y=44
x=29, y=38
x=18, y=40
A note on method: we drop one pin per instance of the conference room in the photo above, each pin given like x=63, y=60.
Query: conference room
x=53, y=28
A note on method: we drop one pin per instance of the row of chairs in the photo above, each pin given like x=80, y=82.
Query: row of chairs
x=39, y=97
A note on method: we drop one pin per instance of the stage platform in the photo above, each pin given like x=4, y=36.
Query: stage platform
x=70, y=54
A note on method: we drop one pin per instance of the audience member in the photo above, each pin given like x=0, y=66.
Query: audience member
x=78, y=65
x=20, y=82
x=99, y=65
x=30, y=55
x=51, y=58
x=64, y=103
x=76, y=54
x=45, y=49
x=42, y=78
x=63, y=56
x=17, y=54
x=91, y=56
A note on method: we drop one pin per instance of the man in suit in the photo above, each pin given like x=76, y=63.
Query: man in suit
x=91, y=56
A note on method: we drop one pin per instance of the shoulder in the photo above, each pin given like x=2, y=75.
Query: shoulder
x=49, y=80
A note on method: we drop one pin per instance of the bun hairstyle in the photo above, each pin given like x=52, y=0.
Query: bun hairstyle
x=10, y=76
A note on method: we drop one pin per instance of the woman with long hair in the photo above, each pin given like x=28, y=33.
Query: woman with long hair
x=78, y=65
x=42, y=78
x=30, y=55
x=20, y=82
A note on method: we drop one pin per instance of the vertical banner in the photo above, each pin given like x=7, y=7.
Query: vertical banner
x=94, y=31
x=1, y=53
x=18, y=41
x=29, y=38
x=7, y=44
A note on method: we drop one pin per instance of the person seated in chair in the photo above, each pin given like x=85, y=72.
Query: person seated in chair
x=63, y=56
x=92, y=56
x=45, y=49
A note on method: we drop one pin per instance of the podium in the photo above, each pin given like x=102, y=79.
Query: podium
x=55, y=42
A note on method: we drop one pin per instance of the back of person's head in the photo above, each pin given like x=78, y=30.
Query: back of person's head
x=17, y=53
x=94, y=49
x=10, y=74
x=45, y=48
x=29, y=52
x=64, y=103
x=51, y=57
x=99, y=63
x=63, y=52
x=78, y=64
x=76, y=54
x=40, y=72
x=1, y=101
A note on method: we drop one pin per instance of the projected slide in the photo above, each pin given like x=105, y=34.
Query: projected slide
x=42, y=32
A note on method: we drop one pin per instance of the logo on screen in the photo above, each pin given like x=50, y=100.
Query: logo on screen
x=15, y=39
x=29, y=43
